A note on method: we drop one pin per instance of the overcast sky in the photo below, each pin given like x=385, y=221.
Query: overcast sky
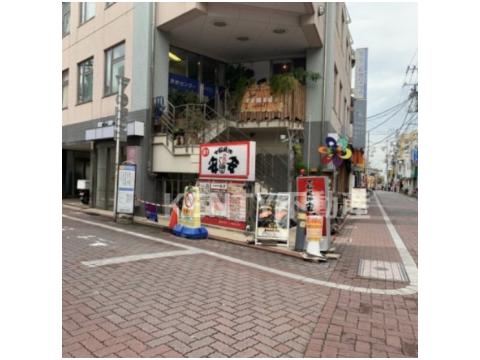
x=389, y=31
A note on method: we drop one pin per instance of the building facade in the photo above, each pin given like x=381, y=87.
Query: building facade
x=200, y=73
x=406, y=163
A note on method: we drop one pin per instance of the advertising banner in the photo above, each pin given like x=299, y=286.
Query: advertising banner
x=190, y=215
x=228, y=161
x=126, y=189
x=313, y=198
x=273, y=217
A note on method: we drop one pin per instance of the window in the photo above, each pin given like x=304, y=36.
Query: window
x=339, y=102
x=65, y=89
x=65, y=18
x=85, y=81
x=335, y=80
x=114, y=65
x=87, y=11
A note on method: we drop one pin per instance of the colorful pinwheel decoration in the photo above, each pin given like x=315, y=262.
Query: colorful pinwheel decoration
x=335, y=151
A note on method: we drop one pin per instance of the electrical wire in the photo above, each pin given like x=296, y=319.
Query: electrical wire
x=389, y=118
x=396, y=131
x=387, y=110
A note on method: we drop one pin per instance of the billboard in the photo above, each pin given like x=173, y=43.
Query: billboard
x=228, y=161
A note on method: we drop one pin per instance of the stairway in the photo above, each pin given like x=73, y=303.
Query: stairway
x=203, y=124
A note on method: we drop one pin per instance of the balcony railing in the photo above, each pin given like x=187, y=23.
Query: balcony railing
x=259, y=104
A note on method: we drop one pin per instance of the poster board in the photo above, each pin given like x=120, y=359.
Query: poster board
x=126, y=188
x=223, y=203
x=359, y=201
x=273, y=217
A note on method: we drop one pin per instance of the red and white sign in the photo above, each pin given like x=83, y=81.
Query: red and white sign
x=228, y=161
x=313, y=197
x=223, y=203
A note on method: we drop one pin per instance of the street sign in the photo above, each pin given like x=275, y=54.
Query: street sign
x=122, y=99
x=126, y=189
x=123, y=112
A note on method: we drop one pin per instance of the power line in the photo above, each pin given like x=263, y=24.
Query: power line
x=389, y=118
x=396, y=131
x=388, y=110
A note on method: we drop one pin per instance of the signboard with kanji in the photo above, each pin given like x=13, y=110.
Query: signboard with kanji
x=228, y=161
x=313, y=198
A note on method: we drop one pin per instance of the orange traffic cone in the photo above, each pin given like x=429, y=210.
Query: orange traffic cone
x=173, y=217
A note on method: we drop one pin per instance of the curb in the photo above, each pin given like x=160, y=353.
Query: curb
x=142, y=221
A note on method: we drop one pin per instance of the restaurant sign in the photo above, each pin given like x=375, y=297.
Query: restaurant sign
x=228, y=161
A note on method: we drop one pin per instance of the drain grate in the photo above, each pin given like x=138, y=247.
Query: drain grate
x=383, y=270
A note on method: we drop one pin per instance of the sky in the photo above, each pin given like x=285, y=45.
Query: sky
x=389, y=31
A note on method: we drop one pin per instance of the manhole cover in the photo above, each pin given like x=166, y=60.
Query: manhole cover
x=383, y=270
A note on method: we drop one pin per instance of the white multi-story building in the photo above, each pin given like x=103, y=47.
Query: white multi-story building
x=171, y=50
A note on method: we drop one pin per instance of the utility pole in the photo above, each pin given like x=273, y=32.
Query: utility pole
x=120, y=131
x=413, y=90
x=367, y=160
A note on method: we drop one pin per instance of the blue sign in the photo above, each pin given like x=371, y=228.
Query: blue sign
x=182, y=83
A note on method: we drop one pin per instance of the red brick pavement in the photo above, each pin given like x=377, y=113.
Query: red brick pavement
x=189, y=306
x=364, y=325
x=199, y=306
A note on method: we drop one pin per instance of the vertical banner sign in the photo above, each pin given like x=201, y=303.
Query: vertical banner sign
x=190, y=216
x=313, y=198
x=273, y=217
x=126, y=189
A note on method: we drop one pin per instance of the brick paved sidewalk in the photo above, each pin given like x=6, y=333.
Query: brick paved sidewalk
x=364, y=325
x=200, y=306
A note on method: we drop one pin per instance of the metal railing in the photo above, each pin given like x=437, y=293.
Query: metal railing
x=202, y=124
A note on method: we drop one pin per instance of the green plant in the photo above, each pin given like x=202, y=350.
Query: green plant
x=281, y=84
x=239, y=91
x=182, y=97
x=303, y=75
x=239, y=78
